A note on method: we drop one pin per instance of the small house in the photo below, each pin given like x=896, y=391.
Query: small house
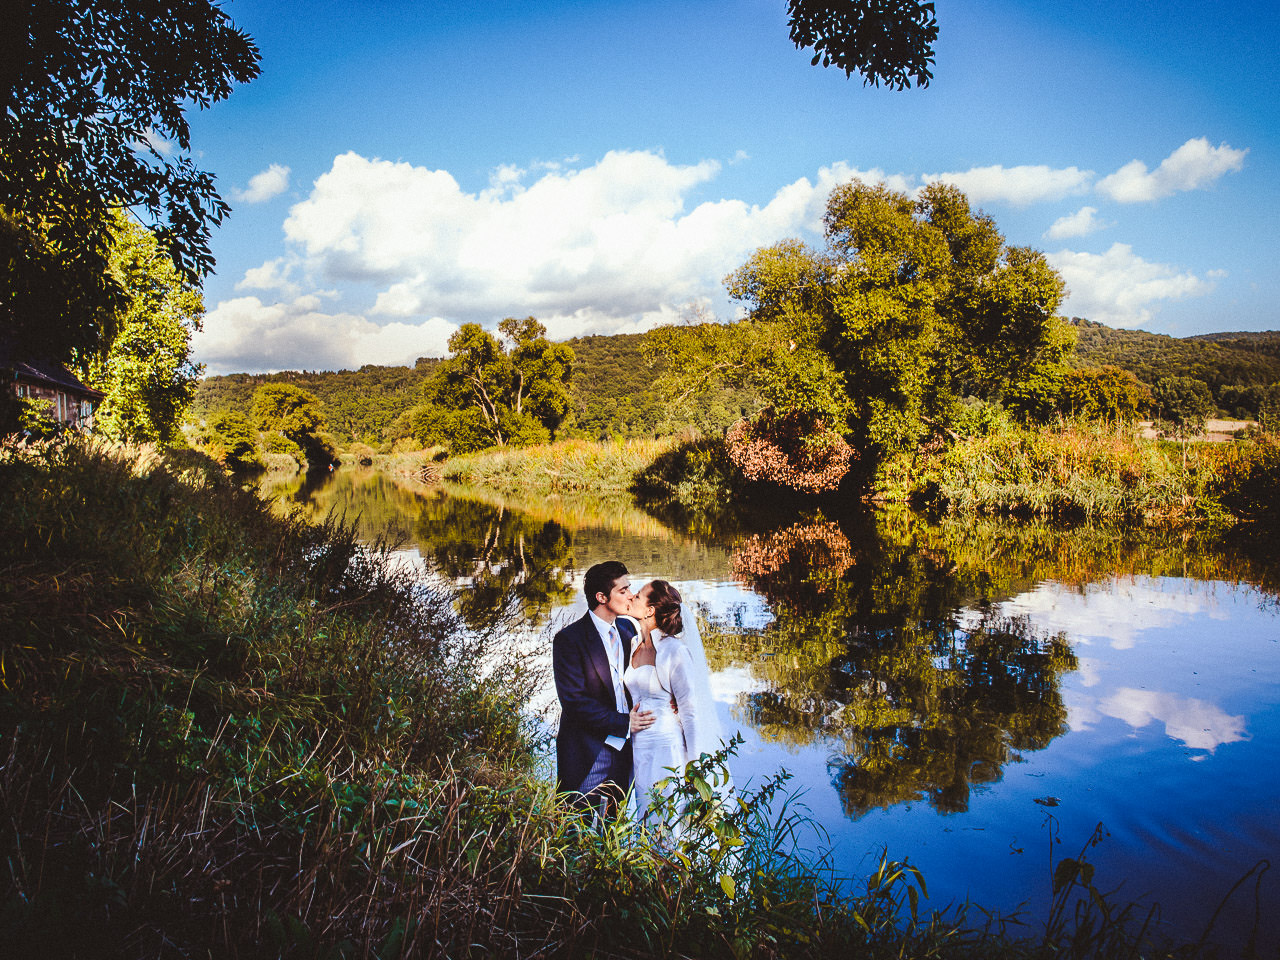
x=71, y=403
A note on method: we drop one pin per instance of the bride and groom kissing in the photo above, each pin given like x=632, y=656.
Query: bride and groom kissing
x=634, y=691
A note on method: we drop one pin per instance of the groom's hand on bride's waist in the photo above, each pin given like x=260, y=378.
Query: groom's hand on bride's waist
x=640, y=719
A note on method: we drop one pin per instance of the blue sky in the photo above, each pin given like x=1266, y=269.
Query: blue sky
x=402, y=168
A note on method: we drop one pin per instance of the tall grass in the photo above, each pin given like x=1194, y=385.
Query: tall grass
x=1072, y=471
x=566, y=466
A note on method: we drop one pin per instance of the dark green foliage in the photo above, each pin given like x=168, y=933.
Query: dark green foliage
x=235, y=434
x=1184, y=403
x=1230, y=363
x=359, y=404
x=82, y=85
x=294, y=414
x=1105, y=393
x=884, y=41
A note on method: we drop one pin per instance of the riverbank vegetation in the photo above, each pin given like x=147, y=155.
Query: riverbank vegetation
x=915, y=356
x=568, y=466
x=231, y=733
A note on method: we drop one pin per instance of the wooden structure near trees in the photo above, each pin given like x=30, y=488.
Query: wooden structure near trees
x=71, y=403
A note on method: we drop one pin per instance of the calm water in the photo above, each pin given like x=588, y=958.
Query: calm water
x=960, y=694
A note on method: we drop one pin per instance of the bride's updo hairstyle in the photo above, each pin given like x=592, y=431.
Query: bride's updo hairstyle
x=665, y=600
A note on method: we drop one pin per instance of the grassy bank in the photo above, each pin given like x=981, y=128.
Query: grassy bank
x=1089, y=472
x=1072, y=471
x=230, y=734
x=563, y=467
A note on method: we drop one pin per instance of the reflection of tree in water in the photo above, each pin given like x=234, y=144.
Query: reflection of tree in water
x=514, y=564
x=507, y=556
x=873, y=652
x=381, y=508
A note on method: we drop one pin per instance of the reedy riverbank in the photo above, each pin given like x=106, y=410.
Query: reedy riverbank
x=228, y=733
x=566, y=466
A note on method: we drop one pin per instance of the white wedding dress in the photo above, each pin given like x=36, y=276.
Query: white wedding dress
x=679, y=671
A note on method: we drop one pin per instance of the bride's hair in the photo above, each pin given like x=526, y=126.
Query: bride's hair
x=665, y=600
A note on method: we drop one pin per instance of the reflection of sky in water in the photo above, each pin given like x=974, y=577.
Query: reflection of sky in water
x=1173, y=745
x=1117, y=611
x=1131, y=675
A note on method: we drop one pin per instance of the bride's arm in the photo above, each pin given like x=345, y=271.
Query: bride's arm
x=681, y=665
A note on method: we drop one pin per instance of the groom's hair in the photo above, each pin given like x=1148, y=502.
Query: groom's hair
x=600, y=579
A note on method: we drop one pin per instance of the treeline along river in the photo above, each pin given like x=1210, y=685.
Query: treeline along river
x=974, y=696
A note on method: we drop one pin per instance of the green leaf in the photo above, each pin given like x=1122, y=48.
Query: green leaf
x=727, y=885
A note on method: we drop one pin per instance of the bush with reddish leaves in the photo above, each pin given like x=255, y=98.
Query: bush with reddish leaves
x=793, y=450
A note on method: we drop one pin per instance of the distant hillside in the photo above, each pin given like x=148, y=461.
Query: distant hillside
x=1259, y=341
x=359, y=404
x=1234, y=365
x=612, y=395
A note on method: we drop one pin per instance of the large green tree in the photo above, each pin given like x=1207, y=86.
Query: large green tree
x=147, y=373
x=295, y=414
x=92, y=119
x=511, y=389
x=912, y=305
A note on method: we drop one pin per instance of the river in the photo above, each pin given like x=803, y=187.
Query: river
x=977, y=697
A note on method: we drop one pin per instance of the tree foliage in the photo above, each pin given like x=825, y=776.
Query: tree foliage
x=234, y=441
x=1238, y=367
x=912, y=306
x=288, y=411
x=495, y=392
x=1105, y=393
x=92, y=102
x=147, y=373
x=1183, y=404
x=889, y=41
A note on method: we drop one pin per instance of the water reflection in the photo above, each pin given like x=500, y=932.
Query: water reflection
x=868, y=655
x=931, y=682
x=504, y=556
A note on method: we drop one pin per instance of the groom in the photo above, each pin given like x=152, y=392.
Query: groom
x=588, y=658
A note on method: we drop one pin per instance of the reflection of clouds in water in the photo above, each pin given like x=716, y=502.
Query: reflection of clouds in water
x=727, y=686
x=1197, y=723
x=1113, y=611
x=728, y=601
x=1089, y=670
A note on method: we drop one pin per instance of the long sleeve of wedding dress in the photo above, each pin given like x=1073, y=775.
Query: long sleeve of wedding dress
x=675, y=668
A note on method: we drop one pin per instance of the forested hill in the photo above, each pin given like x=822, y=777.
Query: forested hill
x=612, y=395
x=1232, y=364
x=611, y=391
x=359, y=404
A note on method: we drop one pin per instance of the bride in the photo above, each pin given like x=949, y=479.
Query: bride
x=668, y=666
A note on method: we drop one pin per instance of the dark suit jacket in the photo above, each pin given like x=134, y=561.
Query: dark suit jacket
x=589, y=711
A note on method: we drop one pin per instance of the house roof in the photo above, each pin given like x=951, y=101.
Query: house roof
x=48, y=374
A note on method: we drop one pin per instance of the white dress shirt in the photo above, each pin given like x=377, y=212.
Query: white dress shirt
x=616, y=667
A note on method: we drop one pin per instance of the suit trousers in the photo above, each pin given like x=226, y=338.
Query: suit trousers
x=602, y=789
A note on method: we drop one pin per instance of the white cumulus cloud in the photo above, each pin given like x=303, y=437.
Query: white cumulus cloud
x=271, y=182
x=245, y=334
x=1079, y=224
x=1118, y=287
x=1193, y=165
x=272, y=275
x=1016, y=185
x=599, y=247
